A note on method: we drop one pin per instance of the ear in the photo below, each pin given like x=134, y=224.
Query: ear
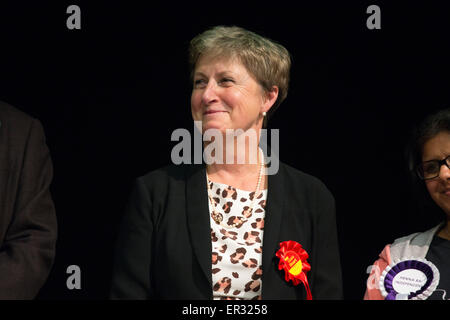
x=269, y=99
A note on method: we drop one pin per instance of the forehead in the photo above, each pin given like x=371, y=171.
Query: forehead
x=437, y=147
x=219, y=63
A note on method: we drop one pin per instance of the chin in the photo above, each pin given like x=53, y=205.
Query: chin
x=206, y=125
x=444, y=204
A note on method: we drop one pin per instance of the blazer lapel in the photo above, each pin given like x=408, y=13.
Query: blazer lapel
x=272, y=225
x=197, y=211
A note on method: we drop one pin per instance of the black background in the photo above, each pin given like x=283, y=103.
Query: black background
x=110, y=95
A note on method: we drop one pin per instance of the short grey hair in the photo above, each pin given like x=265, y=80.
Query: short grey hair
x=267, y=61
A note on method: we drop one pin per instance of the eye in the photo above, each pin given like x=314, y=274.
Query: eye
x=431, y=167
x=199, y=83
x=226, y=81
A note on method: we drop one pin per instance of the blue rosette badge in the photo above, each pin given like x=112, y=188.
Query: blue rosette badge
x=409, y=279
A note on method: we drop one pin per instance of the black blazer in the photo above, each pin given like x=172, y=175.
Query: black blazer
x=164, y=246
x=27, y=214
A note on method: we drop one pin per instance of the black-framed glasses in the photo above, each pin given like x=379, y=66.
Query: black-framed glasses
x=430, y=169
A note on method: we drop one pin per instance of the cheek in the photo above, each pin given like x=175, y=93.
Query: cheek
x=248, y=103
x=236, y=96
x=432, y=189
x=440, y=199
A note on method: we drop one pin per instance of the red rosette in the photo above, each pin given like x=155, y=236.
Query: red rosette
x=293, y=260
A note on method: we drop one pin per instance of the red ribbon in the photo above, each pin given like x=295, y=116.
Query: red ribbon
x=293, y=261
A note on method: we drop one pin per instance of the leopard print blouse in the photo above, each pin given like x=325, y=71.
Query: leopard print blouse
x=237, y=252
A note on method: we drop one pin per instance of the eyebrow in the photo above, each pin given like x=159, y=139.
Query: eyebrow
x=434, y=156
x=437, y=158
x=223, y=73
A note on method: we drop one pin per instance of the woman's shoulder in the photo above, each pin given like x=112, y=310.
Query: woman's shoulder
x=417, y=238
x=169, y=174
x=303, y=180
x=413, y=245
x=164, y=172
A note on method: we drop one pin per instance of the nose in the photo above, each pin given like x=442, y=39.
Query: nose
x=444, y=172
x=209, y=95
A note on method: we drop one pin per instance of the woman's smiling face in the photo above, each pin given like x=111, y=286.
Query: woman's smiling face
x=438, y=148
x=226, y=96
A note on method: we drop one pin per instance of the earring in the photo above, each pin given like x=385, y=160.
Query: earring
x=264, y=114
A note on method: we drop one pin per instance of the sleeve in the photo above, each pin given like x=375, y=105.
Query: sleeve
x=328, y=277
x=28, y=250
x=132, y=263
x=372, y=286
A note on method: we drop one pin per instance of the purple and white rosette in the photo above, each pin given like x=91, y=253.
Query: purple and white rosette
x=409, y=279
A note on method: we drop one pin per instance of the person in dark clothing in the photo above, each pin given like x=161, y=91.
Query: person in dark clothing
x=230, y=230
x=28, y=227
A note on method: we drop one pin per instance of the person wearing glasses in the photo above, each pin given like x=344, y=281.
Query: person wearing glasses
x=418, y=266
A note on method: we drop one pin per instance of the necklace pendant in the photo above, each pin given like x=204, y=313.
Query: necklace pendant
x=217, y=217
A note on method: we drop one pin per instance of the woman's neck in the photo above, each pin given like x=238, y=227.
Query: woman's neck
x=445, y=231
x=240, y=174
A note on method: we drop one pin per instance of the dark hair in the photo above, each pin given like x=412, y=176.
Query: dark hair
x=428, y=129
x=432, y=125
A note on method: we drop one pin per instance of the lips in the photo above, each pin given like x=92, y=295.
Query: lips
x=213, y=111
x=445, y=190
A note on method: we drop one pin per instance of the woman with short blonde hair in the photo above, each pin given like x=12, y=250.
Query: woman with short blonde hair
x=230, y=230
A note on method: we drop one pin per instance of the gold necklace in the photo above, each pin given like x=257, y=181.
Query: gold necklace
x=218, y=217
